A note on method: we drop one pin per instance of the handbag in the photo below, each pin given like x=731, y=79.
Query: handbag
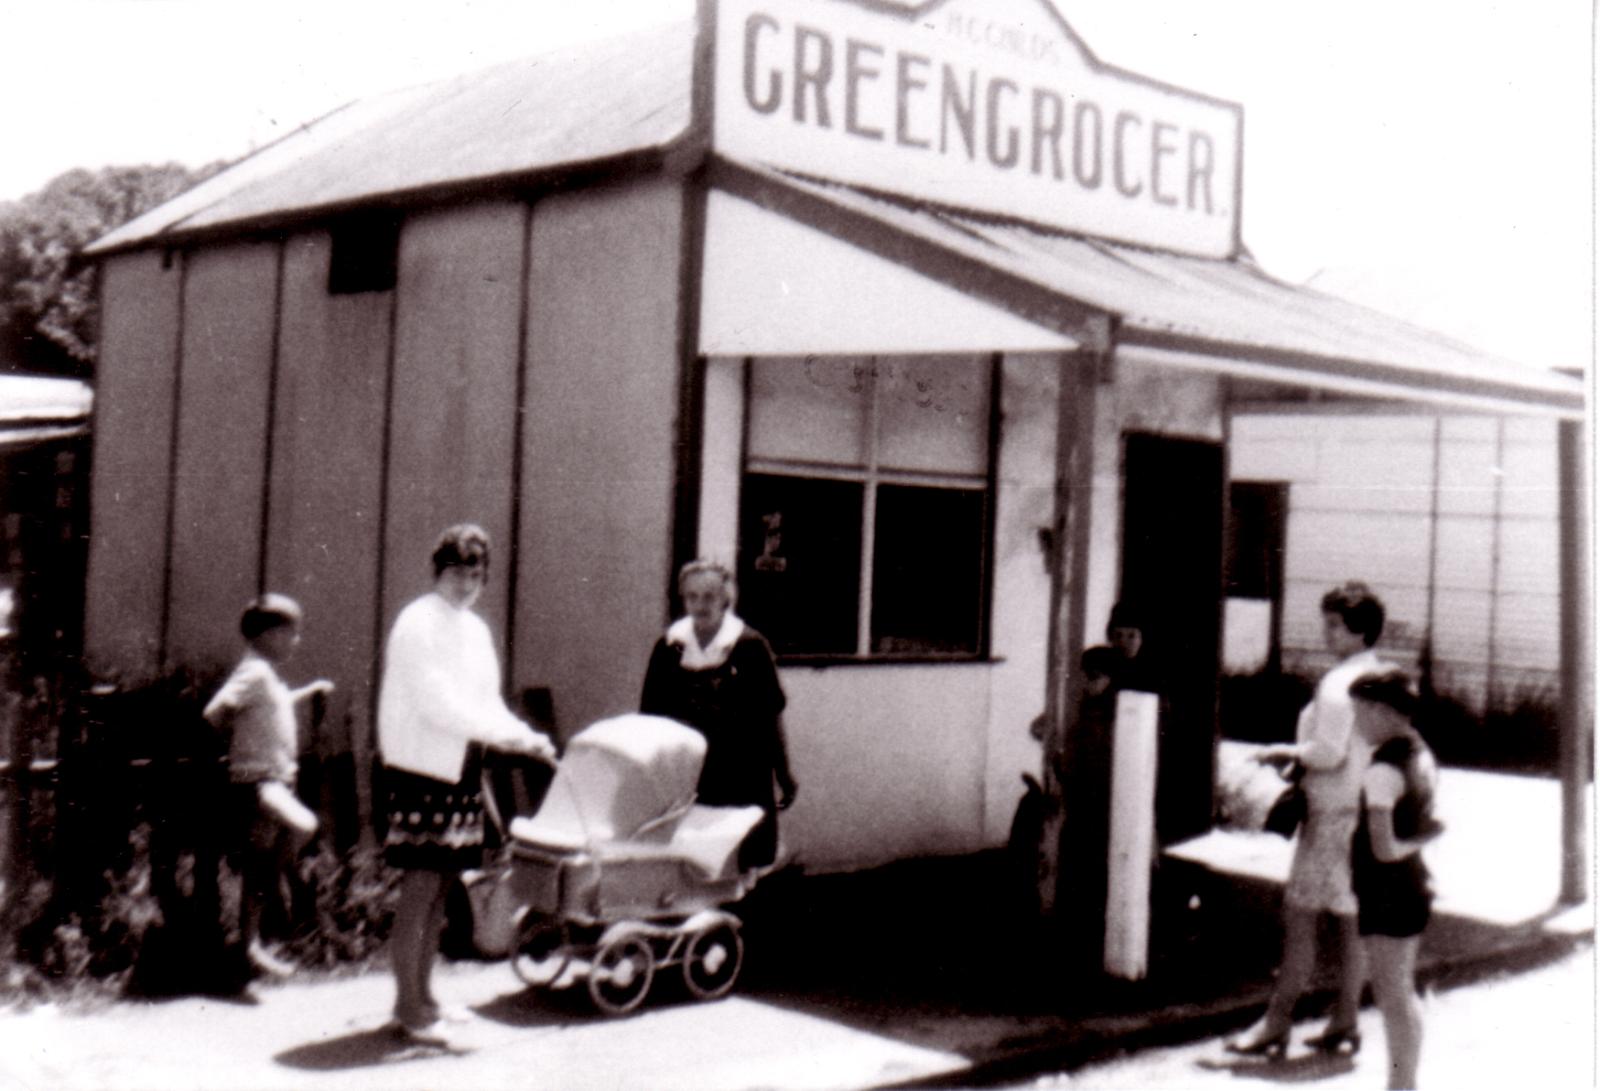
x=1289, y=809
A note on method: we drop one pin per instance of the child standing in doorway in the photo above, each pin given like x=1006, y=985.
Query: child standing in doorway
x=257, y=708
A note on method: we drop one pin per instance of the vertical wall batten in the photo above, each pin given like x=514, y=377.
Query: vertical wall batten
x=518, y=426
x=274, y=352
x=172, y=467
x=385, y=457
x=1496, y=532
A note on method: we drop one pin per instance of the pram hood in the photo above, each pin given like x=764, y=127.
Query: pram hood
x=627, y=785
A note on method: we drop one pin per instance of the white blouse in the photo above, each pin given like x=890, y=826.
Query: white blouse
x=441, y=690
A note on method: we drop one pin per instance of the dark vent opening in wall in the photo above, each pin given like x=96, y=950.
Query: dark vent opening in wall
x=365, y=253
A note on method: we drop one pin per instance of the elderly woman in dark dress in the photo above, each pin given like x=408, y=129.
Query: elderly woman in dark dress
x=715, y=673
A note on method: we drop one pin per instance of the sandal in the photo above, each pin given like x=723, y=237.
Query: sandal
x=1344, y=1041
x=1272, y=1046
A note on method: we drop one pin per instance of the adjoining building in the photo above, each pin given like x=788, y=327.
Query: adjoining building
x=928, y=321
x=1467, y=511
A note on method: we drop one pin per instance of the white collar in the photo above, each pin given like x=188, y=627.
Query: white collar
x=680, y=634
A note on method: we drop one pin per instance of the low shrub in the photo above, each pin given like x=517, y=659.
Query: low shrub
x=61, y=955
x=352, y=898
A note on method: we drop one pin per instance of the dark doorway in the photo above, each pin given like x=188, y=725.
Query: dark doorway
x=1172, y=575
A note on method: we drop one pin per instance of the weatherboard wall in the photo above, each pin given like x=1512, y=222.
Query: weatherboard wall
x=140, y=298
x=599, y=443
x=323, y=532
x=452, y=438
x=229, y=314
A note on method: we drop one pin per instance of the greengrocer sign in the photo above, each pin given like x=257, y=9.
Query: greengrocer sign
x=982, y=104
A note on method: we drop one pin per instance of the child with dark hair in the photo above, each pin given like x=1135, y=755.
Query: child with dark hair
x=257, y=709
x=1129, y=663
x=1393, y=895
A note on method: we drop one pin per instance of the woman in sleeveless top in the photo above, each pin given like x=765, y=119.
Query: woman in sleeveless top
x=1393, y=895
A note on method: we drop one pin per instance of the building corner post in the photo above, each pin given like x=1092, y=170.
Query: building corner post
x=1575, y=718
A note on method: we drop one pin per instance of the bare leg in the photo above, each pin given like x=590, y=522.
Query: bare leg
x=432, y=927
x=1393, y=961
x=1352, y=976
x=410, y=953
x=1299, y=959
x=259, y=876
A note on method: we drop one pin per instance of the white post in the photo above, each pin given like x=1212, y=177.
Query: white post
x=1133, y=827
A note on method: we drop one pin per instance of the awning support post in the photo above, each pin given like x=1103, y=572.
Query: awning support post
x=1576, y=716
x=1078, y=379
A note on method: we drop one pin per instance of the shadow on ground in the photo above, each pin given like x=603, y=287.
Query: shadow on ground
x=935, y=954
x=361, y=1049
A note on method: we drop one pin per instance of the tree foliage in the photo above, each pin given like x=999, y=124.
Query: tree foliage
x=48, y=309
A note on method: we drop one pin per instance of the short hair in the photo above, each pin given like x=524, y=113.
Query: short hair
x=465, y=545
x=266, y=612
x=703, y=566
x=1359, y=609
x=1124, y=616
x=1393, y=689
x=1099, y=661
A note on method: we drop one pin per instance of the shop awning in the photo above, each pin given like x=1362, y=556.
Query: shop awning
x=1169, y=310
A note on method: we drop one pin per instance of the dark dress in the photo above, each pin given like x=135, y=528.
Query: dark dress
x=737, y=707
x=1395, y=898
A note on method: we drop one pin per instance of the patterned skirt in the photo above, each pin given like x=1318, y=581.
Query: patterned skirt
x=433, y=825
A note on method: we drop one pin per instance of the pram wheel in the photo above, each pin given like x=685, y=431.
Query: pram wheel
x=712, y=959
x=541, y=953
x=623, y=969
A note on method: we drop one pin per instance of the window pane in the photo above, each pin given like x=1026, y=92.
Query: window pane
x=800, y=562
x=933, y=413
x=809, y=408
x=927, y=571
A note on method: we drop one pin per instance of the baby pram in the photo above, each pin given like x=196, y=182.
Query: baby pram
x=621, y=875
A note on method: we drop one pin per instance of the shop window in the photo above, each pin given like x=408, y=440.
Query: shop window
x=365, y=254
x=865, y=505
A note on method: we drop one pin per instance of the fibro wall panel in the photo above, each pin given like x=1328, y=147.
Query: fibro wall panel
x=452, y=443
x=599, y=439
x=901, y=773
x=229, y=307
x=327, y=472
x=129, y=495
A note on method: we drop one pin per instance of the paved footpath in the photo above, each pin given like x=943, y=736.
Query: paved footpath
x=1530, y=1031
x=862, y=987
x=329, y=1034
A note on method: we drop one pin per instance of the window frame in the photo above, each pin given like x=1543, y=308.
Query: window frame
x=869, y=475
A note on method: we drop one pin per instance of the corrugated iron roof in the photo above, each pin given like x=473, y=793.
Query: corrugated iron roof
x=579, y=105
x=1226, y=315
x=633, y=94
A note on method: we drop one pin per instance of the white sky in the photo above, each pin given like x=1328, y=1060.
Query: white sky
x=1430, y=157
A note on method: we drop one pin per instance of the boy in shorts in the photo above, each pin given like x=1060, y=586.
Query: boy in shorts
x=257, y=708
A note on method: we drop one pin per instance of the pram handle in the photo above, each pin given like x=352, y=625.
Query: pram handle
x=486, y=791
